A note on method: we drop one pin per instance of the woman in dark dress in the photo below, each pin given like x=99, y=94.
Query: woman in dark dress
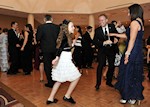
x=77, y=54
x=130, y=76
x=27, y=50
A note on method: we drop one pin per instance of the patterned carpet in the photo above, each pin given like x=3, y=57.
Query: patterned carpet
x=6, y=100
x=9, y=98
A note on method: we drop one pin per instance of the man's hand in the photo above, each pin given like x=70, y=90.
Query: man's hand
x=108, y=42
x=17, y=45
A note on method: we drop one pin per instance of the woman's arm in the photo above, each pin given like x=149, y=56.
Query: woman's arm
x=26, y=34
x=123, y=35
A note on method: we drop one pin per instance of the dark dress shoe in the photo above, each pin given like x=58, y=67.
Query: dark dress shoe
x=71, y=100
x=50, y=102
x=11, y=73
x=90, y=67
x=97, y=87
x=17, y=72
x=27, y=73
x=109, y=84
x=47, y=85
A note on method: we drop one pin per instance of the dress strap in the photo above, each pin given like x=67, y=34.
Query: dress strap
x=140, y=24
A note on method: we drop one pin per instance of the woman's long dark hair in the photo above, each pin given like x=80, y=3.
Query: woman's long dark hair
x=80, y=31
x=30, y=27
x=136, y=11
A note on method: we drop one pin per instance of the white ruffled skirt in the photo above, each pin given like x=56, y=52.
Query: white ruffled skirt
x=65, y=70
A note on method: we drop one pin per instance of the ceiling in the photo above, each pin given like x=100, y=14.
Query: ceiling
x=76, y=10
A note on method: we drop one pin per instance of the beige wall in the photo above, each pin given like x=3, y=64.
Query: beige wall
x=5, y=21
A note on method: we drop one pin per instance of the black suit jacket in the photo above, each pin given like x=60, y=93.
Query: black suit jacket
x=86, y=41
x=47, y=35
x=99, y=38
x=12, y=40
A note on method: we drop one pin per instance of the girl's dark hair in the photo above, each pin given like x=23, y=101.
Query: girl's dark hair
x=30, y=27
x=66, y=22
x=80, y=31
x=136, y=11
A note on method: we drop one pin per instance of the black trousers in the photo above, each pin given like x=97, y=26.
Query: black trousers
x=14, y=56
x=47, y=59
x=101, y=63
x=87, y=57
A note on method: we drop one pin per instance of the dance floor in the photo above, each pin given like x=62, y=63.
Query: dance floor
x=30, y=88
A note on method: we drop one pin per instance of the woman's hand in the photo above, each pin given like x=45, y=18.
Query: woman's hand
x=55, y=61
x=148, y=46
x=126, y=59
x=73, y=42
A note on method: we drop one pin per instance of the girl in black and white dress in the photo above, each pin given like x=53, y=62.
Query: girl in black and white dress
x=63, y=67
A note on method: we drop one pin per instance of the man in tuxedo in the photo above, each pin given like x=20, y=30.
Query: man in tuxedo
x=47, y=35
x=87, y=48
x=13, y=48
x=106, y=48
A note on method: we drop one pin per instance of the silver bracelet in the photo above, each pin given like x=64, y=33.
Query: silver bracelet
x=127, y=53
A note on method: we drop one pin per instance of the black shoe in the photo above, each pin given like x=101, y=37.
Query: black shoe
x=90, y=67
x=27, y=73
x=84, y=67
x=11, y=73
x=50, y=102
x=109, y=84
x=18, y=72
x=97, y=87
x=47, y=85
x=69, y=100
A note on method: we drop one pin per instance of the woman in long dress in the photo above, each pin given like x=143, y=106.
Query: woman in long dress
x=130, y=76
x=4, y=51
x=27, y=50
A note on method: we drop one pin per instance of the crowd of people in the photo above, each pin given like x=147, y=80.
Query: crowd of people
x=53, y=46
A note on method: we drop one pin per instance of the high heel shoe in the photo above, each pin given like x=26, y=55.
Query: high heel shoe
x=131, y=101
x=122, y=101
x=138, y=102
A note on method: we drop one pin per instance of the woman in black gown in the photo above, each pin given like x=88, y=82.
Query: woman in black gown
x=27, y=50
x=130, y=76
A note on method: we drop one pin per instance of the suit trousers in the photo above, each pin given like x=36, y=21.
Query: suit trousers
x=47, y=59
x=101, y=63
x=14, y=56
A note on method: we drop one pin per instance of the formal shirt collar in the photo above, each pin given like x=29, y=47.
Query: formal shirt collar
x=48, y=21
x=107, y=28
